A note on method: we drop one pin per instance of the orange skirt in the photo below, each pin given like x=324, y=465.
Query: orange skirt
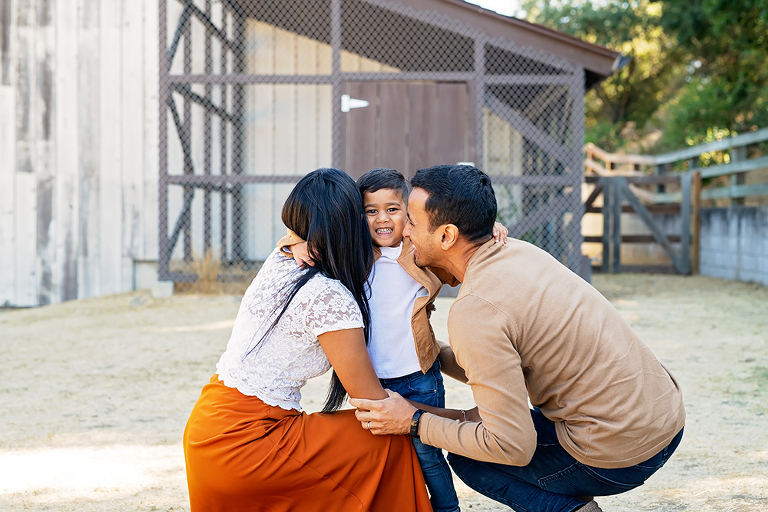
x=243, y=454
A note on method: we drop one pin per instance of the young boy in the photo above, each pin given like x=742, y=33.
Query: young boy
x=402, y=345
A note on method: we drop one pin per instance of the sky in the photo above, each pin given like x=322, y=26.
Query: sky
x=506, y=7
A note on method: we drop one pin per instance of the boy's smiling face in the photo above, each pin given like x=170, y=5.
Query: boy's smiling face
x=386, y=215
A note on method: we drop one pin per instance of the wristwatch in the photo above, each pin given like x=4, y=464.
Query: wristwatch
x=415, y=423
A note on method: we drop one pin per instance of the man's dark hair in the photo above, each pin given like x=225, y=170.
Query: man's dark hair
x=460, y=195
x=377, y=179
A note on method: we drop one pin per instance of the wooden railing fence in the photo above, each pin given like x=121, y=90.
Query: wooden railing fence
x=622, y=178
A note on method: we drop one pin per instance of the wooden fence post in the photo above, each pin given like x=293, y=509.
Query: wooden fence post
x=685, y=217
x=696, y=227
x=616, y=217
x=738, y=154
x=607, y=196
x=659, y=171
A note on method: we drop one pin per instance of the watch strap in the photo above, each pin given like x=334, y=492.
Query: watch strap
x=415, y=419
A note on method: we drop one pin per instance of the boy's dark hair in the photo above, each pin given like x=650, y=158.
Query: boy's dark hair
x=380, y=178
x=461, y=195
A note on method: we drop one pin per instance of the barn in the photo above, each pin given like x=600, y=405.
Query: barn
x=141, y=137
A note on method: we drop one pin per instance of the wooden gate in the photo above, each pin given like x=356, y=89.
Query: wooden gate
x=620, y=197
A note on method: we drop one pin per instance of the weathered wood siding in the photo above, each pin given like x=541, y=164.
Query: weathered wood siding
x=78, y=147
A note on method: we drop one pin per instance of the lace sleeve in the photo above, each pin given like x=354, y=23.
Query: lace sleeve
x=332, y=308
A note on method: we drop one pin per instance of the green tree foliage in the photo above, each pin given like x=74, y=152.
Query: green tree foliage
x=699, y=68
x=619, y=108
x=727, y=89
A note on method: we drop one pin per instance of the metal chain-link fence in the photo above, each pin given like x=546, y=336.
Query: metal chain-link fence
x=256, y=93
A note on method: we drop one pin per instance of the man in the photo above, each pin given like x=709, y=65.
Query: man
x=606, y=413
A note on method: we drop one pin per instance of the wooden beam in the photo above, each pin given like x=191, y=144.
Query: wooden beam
x=67, y=196
x=718, y=145
x=696, y=227
x=111, y=124
x=150, y=214
x=608, y=184
x=616, y=218
x=562, y=180
x=733, y=168
x=618, y=158
x=8, y=210
x=648, y=269
x=595, y=58
x=685, y=217
x=738, y=154
x=668, y=208
x=592, y=196
x=632, y=239
x=759, y=189
x=650, y=179
x=643, y=195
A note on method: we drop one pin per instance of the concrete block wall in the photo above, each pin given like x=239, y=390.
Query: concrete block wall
x=734, y=243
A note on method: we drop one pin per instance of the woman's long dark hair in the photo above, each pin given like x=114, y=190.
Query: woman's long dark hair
x=325, y=209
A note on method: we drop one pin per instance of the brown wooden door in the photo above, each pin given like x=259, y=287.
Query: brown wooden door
x=407, y=126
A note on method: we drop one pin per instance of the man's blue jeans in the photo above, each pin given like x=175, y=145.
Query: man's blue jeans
x=553, y=479
x=427, y=388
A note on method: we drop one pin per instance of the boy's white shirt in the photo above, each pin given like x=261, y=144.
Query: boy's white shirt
x=393, y=293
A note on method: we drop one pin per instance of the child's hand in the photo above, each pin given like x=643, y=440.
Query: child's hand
x=473, y=415
x=301, y=255
x=500, y=233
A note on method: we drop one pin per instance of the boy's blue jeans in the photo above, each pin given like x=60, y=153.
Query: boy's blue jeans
x=427, y=388
x=553, y=478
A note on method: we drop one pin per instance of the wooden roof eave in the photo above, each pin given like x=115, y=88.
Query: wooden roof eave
x=596, y=59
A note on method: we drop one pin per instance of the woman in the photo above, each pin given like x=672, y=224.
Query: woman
x=247, y=444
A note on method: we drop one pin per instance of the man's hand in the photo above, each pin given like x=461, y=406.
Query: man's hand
x=389, y=416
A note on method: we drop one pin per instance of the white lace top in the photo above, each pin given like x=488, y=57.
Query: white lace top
x=278, y=368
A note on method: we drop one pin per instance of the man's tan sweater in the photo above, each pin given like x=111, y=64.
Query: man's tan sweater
x=524, y=325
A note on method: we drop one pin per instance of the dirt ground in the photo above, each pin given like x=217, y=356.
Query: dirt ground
x=95, y=395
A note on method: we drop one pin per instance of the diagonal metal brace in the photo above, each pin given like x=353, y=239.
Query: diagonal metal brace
x=212, y=28
x=170, y=53
x=186, y=91
x=539, y=216
x=189, y=192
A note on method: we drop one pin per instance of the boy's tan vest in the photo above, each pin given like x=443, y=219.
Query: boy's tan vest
x=427, y=348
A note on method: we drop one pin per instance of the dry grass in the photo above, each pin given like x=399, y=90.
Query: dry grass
x=215, y=277
x=96, y=394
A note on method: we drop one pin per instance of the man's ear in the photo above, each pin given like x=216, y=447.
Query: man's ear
x=449, y=235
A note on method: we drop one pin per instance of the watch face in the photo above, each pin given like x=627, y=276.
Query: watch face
x=415, y=423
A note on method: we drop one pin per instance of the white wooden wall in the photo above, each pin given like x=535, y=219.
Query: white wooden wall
x=78, y=147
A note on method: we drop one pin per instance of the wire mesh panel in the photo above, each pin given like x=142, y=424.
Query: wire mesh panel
x=256, y=93
x=533, y=134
